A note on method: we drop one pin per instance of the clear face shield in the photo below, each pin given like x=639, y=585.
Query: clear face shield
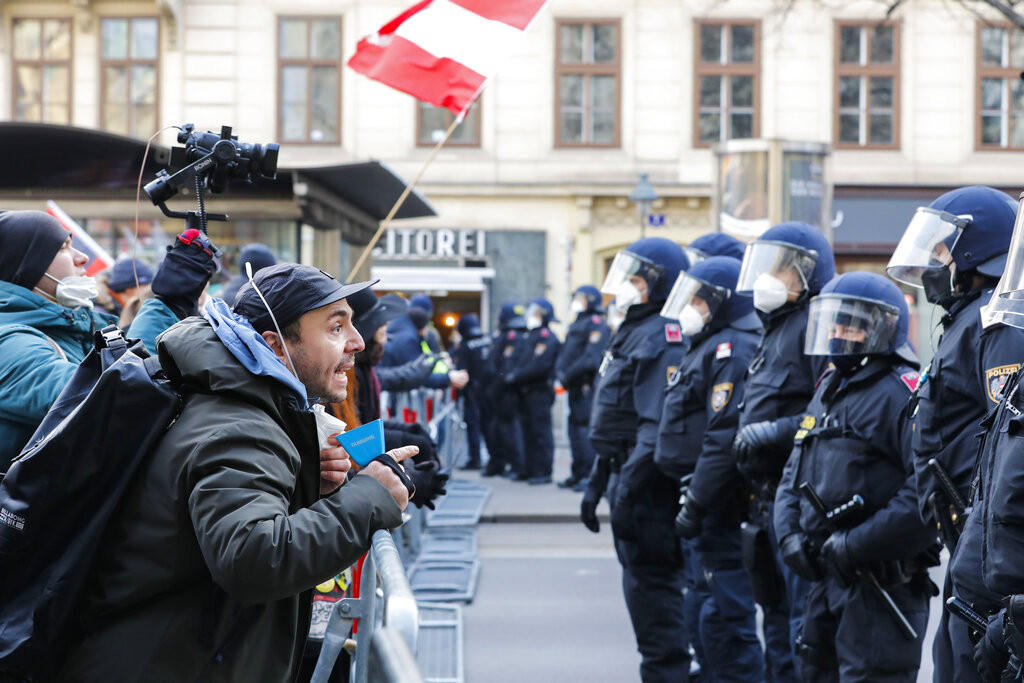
x=840, y=325
x=694, y=256
x=790, y=265
x=534, y=316
x=579, y=303
x=693, y=302
x=926, y=245
x=625, y=275
x=1007, y=303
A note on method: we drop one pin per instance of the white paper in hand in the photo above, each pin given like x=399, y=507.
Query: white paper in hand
x=327, y=426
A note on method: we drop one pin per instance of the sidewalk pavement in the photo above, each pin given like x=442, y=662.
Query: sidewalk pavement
x=517, y=501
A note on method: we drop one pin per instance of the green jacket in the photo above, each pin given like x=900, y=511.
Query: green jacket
x=206, y=571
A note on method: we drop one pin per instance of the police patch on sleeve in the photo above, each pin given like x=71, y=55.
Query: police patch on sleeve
x=539, y=349
x=911, y=379
x=720, y=395
x=723, y=350
x=595, y=336
x=995, y=380
x=673, y=333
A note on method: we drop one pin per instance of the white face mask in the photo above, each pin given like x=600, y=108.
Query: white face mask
x=690, y=320
x=770, y=293
x=627, y=295
x=577, y=306
x=74, y=290
x=533, y=322
x=327, y=426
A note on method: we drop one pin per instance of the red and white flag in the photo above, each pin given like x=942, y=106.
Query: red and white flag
x=99, y=259
x=443, y=51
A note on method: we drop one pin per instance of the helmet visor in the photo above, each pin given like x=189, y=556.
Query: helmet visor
x=926, y=243
x=694, y=256
x=627, y=265
x=790, y=264
x=1007, y=303
x=840, y=325
x=687, y=287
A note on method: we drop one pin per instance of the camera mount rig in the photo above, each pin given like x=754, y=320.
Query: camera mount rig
x=209, y=161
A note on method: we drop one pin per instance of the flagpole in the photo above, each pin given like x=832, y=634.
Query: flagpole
x=401, y=198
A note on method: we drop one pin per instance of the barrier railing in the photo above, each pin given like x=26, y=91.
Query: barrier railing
x=394, y=607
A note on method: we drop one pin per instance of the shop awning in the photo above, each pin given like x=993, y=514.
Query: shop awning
x=426, y=279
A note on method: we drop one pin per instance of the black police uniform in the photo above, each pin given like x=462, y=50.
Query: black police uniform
x=780, y=383
x=854, y=439
x=473, y=355
x=962, y=383
x=530, y=372
x=506, y=444
x=698, y=424
x=623, y=431
x=576, y=369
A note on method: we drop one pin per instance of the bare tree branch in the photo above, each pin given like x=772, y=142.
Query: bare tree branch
x=1006, y=9
x=892, y=8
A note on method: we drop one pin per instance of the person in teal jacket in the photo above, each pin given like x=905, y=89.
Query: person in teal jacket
x=47, y=319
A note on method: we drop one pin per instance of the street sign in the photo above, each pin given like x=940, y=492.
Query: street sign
x=656, y=220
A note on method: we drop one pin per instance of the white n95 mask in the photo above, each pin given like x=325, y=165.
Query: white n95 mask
x=690, y=320
x=74, y=290
x=576, y=306
x=533, y=322
x=627, y=295
x=770, y=293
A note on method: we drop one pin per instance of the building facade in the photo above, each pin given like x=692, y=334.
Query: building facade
x=535, y=183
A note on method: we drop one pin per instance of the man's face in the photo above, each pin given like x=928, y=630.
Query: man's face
x=67, y=263
x=328, y=343
x=700, y=305
x=847, y=333
x=641, y=286
x=791, y=278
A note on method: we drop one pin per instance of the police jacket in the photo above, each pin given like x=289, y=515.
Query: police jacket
x=701, y=414
x=41, y=346
x=998, y=507
x=963, y=382
x=473, y=354
x=207, y=567
x=579, y=360
x=780, y=382
x=854, y=439
x=640, y=358
x=503, y=347
x=532, y=365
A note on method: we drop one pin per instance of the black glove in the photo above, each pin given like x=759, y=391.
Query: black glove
x=183, y=274
x=430, y=483
x=991, y=654
x=688, y=521
x=754, y=437
x=596, y=485
x=796, y=556
x=835, y=555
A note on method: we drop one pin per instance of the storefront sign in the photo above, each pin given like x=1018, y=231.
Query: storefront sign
x=432, y=244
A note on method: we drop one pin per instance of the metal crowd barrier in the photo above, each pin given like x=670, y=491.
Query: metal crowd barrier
x=385, y=600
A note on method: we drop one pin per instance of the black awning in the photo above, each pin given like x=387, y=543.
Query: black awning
x=65, y=161
x=371, y=187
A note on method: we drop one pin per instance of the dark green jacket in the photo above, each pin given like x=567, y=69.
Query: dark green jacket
x=206, y=571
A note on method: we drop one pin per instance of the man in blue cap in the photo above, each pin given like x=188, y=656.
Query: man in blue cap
x=530, y=373
x=237, y=493
x=576, y=370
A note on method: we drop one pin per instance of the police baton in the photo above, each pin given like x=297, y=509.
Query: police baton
x=864, y=575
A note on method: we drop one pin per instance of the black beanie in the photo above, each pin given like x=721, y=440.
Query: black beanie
x=28, y=242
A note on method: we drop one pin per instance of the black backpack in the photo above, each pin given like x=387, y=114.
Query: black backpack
x=59, y=493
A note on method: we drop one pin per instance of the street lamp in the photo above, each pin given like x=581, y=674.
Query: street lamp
x=643, y=195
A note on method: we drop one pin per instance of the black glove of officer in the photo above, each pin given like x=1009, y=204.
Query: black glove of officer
x=991, y=653
x=795, y=555
x=835, y=555
x=592, y=496
x=430, y=483
x=753, y=437
x=688, y=521
x=183, y=274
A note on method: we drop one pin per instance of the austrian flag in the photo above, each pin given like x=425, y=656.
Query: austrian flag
x=443, y=51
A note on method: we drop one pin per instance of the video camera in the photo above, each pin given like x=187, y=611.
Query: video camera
x=210, y=161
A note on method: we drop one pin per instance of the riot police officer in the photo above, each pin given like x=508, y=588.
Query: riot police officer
x=506, y=442
x=695, y=435
x=531, y=374
x=472, y=354
x=784, y=267
x=576, y=370
x=955, y=249
x=713, y=244
x=623, y=431
x=852, y=455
